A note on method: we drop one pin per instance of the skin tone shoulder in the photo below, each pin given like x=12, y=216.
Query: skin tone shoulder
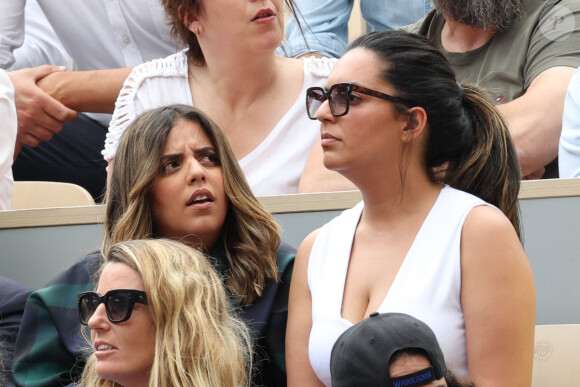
x=493, y=263
x=488, y=275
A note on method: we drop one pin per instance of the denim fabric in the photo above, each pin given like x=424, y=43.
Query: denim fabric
x=325, y=23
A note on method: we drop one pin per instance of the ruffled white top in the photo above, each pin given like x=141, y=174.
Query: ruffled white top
x=274, y=167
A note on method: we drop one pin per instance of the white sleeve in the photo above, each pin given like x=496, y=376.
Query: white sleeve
x=11, y=29
x=569, y=149
x=319, y=67
x=41, y=45
x=124, y=113
x=8, y=129
x=148, y=86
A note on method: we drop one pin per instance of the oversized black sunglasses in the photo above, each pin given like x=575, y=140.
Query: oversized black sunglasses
x=339, y=97
x=118, y=304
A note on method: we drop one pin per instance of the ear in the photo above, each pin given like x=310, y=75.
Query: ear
x=416, y=123
x=189, y=21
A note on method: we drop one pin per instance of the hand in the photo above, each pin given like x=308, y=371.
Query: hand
x=39, y=115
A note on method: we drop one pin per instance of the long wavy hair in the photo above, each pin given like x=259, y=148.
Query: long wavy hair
x=468, y=146
x=250, y=235
x=178, y=12
x=198, y=341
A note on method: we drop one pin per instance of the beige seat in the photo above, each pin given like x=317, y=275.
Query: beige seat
x=556, y=356
x=43, y=194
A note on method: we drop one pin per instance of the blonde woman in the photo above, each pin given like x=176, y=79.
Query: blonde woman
x=160, y=317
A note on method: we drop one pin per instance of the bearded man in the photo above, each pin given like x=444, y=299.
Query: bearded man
x=524, y=52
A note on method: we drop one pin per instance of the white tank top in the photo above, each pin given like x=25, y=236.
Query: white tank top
x=427, y=285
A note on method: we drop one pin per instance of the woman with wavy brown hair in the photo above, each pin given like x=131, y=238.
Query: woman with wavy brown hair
x=247, y=234
x=175, y=177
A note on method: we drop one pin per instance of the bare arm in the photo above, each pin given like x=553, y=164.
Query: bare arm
x=535, y=119
x=299, y=370
x=316, y=178
x=87, y=91
x=498, y=300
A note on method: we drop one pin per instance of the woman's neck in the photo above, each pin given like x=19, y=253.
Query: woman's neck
x=389, y=197
x=237, y=80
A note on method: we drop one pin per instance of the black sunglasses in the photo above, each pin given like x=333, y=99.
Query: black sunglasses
x=118, y=304
x=339, y=97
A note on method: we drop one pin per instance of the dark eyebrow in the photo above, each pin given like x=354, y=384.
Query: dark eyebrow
x=197, y=152
x=170, y=156
x=205, y=150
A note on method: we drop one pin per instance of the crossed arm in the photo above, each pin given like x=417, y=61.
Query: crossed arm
x=47, y=96
x=535, y=120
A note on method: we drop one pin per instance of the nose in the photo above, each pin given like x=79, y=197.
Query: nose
x=99, y=319
x=196, y=171
x=323, y=113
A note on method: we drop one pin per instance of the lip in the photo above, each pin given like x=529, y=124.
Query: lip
x=203, y=204
x=327, y=139
x=101, y=352
x=264, y=15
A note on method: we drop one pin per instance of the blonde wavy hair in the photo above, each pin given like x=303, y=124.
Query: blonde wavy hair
x=250, y=235
x=198, y=341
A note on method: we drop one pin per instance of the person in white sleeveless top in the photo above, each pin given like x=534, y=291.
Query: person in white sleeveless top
x=436, y=167
x=231, y=72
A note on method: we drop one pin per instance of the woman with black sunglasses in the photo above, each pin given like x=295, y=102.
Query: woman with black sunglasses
x=431, y=157
x=160, y=317
x=175, y=177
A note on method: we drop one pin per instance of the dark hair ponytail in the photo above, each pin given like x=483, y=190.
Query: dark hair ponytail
x=489, y=168
x=468, y=145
